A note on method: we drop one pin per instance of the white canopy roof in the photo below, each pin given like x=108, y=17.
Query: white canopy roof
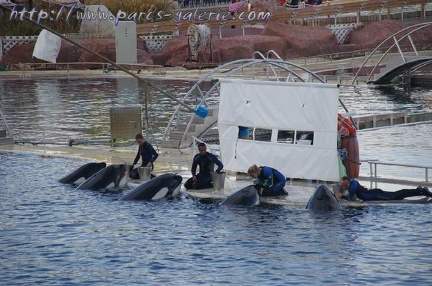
x=289, y=108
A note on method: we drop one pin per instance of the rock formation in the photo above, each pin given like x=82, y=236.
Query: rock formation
x=289, y=41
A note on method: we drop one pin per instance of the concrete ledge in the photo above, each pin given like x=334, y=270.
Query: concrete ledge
x=7, y=141
x=390, y=119
x=380, y=120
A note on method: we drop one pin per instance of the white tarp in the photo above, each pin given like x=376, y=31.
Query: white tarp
x=280, y=106
x=47, y=47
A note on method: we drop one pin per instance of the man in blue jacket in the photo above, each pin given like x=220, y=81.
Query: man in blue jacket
x=206, y=162
x=357, y=191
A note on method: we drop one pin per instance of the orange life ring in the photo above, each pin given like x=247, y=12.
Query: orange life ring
x=352, y=159
x=345, y=126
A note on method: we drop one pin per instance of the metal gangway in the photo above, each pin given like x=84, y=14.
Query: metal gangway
x=399, y=67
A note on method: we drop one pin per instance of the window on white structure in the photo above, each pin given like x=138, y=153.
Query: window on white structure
x=260, y=134
x=245, y=133
x=285, y=136
x=305, y=137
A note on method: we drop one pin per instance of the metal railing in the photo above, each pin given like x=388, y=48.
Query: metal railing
x=373, y=164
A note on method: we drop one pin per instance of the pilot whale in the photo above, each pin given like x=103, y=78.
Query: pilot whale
x=162, y=186
x=248, y=196
x=82, y=173
x=109, y=177
x=323, y=200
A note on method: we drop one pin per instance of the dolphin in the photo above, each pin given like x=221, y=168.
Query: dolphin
x=248, y=196
x=82, y=173
x=162, y=186
x=323, y=200
x=109, y=177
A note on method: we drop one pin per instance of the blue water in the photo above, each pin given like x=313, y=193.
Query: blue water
x=52, y=234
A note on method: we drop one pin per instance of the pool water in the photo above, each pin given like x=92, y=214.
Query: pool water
x=52, y=234
x=57, y=109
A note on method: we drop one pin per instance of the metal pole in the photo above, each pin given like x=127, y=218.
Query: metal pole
x=412, y=44
x=146, y=119
x=1, y=48
x=399, y=49
x=375, y=175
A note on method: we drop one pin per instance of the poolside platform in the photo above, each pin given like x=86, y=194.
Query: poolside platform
x=5, y=140
x=179, y=161
x=298, y=195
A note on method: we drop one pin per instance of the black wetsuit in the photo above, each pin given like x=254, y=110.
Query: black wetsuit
x=206, y=166
x=148, y=155
x=364, y=194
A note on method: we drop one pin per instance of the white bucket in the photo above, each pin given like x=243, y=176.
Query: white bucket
x=144, y=173
x=218, y=180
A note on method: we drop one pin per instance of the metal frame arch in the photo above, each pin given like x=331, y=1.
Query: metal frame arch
x=217, y=84
x=244, y=63
x=415, y=28
x=417, y=67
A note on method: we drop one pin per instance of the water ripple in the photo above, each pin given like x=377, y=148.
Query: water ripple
x=53, y=234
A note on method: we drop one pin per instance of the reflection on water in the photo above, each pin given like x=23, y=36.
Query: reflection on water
x=409, y=145
x=63, y=108
x=373, y=100
x=79, y=108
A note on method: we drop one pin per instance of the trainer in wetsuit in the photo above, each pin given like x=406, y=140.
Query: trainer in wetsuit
x=355, y=190
x=270, y=181
x=205, y=161
x=147, y=153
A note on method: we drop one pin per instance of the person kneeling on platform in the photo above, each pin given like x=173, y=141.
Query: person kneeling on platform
x=147, y=153
x=205, y=160
x=270, y=181
x=352, y=190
